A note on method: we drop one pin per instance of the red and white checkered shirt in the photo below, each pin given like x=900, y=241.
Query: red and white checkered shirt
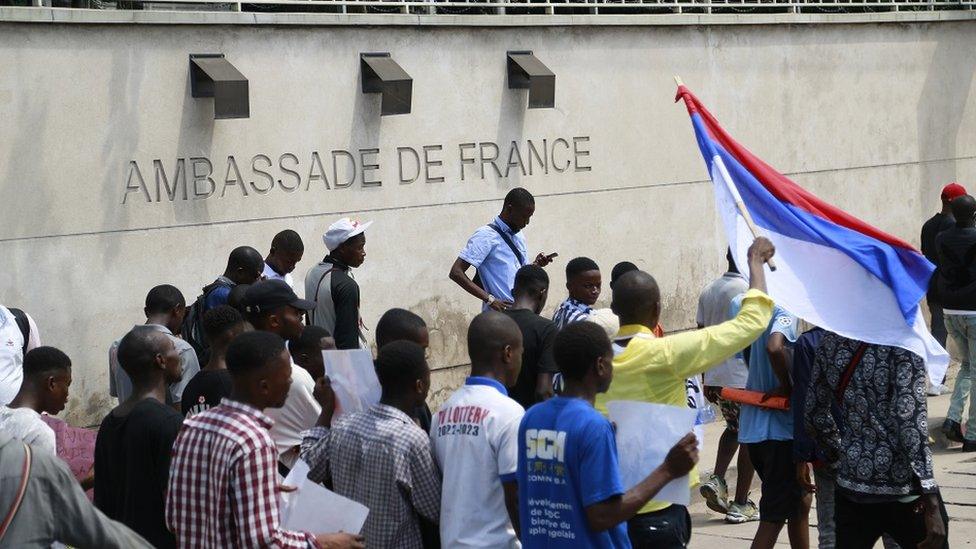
x=223, y=484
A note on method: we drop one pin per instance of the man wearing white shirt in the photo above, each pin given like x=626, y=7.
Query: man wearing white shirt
x=713, y=308
x=272, y=306
x=18, y=334
x=47, y=376
x=474, y=436
x=287, y=249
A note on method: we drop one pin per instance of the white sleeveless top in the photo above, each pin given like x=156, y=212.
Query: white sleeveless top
x=11, y=356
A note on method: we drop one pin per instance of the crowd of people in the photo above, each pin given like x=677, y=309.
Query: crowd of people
x=219, y=398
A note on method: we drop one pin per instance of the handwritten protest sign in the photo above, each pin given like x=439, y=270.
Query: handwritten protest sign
x=76, y=446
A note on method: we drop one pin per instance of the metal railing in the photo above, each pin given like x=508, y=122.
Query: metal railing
x=521, y=7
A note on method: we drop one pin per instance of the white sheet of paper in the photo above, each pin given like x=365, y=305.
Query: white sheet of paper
x=645, y=434
x=353, y=379
x=312, y=508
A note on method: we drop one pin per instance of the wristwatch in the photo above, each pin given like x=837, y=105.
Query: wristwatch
x=490, y=300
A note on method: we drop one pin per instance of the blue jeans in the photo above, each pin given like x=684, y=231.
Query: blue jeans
x=962, y=330
x=826, y=527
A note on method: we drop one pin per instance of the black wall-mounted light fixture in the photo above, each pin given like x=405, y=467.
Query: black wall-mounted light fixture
x=381, y=74
x=213, y=76
x=525, y=71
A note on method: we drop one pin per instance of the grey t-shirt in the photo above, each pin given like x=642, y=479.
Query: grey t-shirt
x=120, y=386
x=54, y=507
x=713, y=308
x=336, y=295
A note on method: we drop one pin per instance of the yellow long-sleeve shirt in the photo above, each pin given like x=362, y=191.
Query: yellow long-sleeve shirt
x=654, y=369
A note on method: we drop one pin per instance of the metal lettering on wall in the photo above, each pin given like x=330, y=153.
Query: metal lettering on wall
x=200, y=178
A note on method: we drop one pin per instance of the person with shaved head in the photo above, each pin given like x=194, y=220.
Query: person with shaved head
x=244, y=266
x=475, y=442
x=132, y=450
x=654, y=369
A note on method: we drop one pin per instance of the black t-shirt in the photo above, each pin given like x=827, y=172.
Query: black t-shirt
x=538, y=333
x=205, y=391
x=132, y=454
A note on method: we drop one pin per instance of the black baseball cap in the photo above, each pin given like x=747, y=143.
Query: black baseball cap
x=268, y=295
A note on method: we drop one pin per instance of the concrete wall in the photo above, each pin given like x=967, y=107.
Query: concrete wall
x=872, y=117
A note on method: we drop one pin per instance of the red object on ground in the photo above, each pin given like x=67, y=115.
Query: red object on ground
x=754, y=398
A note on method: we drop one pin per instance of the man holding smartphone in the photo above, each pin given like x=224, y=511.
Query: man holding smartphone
x=497, y=251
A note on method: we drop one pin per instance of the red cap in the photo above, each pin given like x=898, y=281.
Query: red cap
x=953, y=191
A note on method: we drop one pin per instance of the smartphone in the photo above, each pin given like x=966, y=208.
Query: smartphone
x=552, y=255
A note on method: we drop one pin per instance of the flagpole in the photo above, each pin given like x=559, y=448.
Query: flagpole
x=736, y=196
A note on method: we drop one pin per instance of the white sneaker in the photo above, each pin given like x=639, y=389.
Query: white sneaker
x=716, y=494
x=739, y=514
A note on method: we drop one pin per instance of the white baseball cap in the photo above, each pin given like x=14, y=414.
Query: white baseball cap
x=605, y=319
x=343, y=230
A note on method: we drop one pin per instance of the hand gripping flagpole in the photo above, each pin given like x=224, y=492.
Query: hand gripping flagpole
x=726, y=180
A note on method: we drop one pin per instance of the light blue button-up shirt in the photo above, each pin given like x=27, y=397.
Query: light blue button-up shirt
x=494, y=259
x=760, y=424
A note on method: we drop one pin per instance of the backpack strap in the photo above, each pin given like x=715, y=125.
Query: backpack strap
x=508, y=240
x=23, y=323
x=209, y=288
x=21, y=490
x=318, y=286
x=845, y=379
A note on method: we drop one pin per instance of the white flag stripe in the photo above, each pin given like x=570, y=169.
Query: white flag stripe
x=825, y=287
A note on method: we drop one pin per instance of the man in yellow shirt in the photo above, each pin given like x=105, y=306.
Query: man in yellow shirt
x=651, y=369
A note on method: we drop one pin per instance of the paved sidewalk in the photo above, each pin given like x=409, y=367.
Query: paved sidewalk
x=955, y=471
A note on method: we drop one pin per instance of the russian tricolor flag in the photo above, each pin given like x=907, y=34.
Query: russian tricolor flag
x=833, y=269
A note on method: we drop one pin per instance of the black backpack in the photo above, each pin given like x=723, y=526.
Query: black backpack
x=23, y=324
x=192, y=328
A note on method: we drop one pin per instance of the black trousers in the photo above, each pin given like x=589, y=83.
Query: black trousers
x=938, y=329
x=860, y=525
x=665, y=529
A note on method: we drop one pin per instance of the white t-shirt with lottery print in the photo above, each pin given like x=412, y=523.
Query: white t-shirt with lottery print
x=475, y=440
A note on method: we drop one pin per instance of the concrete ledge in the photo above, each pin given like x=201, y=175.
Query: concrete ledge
x=85, y=16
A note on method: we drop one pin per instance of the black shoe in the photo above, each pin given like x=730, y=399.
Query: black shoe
x=969, y=446
x=953, y=431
